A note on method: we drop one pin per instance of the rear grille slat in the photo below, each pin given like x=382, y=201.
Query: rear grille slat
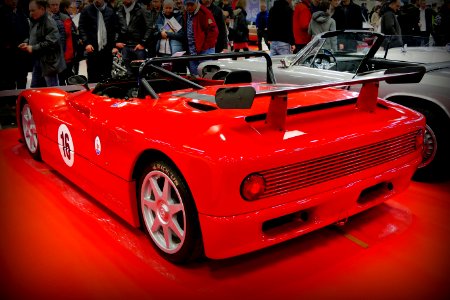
x=334, y=161
x=332, y=174
x=349, y=152
x=312, y=181
x=304, y=174
x=297, y=174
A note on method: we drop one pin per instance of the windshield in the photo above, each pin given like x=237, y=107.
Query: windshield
x=339, y=51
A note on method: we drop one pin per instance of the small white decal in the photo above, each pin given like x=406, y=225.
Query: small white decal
x=65, y=144
x=119, y=104
x=98, y=145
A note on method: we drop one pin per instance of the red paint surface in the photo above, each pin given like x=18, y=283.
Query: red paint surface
x=57, y=242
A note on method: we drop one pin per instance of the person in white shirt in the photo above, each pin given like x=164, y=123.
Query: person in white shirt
x=425, y=22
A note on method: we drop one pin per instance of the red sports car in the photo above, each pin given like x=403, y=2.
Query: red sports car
x=225, y=169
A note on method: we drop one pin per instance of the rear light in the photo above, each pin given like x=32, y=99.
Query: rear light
x=253, y=186
x=419, y=140
x=427, y=143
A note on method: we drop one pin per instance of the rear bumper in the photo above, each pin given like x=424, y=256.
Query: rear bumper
x=234, y=235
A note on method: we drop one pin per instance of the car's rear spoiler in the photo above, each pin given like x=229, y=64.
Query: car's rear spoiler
x=242, y=97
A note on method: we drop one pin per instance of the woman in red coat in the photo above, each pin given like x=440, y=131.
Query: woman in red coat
x=300, y=23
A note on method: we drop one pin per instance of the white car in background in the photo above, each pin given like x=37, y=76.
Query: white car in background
x=342, y=55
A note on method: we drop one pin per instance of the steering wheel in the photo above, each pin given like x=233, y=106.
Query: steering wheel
x=324, y=59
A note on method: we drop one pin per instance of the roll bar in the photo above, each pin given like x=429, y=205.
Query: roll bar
x=151, y=62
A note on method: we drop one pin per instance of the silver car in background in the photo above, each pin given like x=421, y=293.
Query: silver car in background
x=342, y=55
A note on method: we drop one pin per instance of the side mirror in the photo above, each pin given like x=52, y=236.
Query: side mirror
x=413, y=74
x=78, y=80
x=284, y=63
x=235, y=97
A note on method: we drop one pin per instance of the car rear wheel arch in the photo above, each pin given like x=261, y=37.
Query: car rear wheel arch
x=145, y=158
x=439, y=122
x=152, y=163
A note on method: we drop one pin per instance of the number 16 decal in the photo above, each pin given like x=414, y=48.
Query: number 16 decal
x=65, y=144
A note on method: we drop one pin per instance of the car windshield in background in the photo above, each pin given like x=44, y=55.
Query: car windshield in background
x=396, y=41
x=414, y=49
x=339, y=51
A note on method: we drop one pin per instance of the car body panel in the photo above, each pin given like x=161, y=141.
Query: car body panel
x=243, y=232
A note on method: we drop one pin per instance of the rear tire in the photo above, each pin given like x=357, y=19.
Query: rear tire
x=29, y=131
x=437, y=146
x=169, y=213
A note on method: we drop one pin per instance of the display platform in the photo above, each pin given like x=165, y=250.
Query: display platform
x=59, y=243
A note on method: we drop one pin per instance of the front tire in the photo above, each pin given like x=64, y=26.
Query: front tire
x=29, y=131
x=169, y=213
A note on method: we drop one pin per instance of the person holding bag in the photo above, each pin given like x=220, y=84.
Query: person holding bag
x=170, y=33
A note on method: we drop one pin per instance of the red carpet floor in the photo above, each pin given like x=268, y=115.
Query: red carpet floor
x=58, y=243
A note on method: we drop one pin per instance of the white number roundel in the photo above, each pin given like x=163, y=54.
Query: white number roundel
x=65, y=144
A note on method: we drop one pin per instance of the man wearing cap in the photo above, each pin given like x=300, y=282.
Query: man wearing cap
x=201, y=31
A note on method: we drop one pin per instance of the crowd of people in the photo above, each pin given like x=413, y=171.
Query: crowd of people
x=50, y=37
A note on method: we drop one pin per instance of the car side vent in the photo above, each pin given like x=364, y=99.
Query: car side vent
x=201, y=106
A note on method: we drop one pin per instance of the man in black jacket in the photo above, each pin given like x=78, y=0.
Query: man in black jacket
x=389, y=25
x=134, y=31
x=408, y=19
x=98, y=27
x=14, y=29
x=153, y=13
x=279, y=28
x=48, y=57
x=348, y=15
